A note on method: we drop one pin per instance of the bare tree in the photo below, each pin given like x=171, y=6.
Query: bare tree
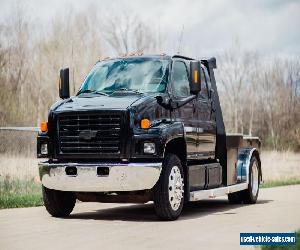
x=261, y=96
x=127, y=33
x=235, y=64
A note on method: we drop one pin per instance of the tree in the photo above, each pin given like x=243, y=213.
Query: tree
x=127, y=33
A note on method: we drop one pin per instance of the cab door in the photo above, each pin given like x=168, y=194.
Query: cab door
x=207, y=124
x=187, y=114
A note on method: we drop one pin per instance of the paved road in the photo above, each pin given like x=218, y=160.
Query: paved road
x=212, y=224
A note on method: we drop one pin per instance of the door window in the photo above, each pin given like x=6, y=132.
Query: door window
x=180, y=80
x=204, y=90
x=207, y=78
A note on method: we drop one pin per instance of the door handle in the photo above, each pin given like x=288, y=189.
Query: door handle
x=213, y=108
x=194, y=106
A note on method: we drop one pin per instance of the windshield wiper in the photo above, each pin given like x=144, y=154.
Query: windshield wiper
x=129, y=90
x=92, y=92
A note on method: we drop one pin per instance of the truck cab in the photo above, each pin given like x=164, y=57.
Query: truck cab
x=144, y=128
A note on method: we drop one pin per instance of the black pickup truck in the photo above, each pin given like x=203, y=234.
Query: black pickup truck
x=144, y=128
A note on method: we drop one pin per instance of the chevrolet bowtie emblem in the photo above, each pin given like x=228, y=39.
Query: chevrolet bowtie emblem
x=87, y=134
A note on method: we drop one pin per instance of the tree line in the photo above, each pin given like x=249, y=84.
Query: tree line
x=260, y=95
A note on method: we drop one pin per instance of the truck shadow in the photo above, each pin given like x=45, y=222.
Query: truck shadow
x=145, y=212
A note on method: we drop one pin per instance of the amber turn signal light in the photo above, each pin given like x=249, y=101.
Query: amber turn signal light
x=145, y=123
x=195, y=76
x=44, y=126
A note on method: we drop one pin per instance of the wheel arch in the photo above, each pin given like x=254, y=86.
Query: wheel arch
x=243, y=164
x=177, y=146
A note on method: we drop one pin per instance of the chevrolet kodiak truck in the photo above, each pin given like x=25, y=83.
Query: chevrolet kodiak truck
x=144, y=128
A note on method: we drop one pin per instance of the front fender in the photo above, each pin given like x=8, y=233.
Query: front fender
x=161, y=135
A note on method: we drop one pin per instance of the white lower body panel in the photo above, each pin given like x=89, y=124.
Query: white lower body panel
x=215, y=192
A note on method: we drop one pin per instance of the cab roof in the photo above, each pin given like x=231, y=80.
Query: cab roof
x=206, y=62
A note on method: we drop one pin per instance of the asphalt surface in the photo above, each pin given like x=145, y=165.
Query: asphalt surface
x=209, y=224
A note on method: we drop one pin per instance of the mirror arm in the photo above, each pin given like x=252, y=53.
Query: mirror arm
x=178, y=104
x=164, y=101
x=170, y=104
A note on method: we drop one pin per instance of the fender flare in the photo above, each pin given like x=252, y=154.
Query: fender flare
x=169, y=134
x=243, y=164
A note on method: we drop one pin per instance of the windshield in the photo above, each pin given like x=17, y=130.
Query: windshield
x=133, y=74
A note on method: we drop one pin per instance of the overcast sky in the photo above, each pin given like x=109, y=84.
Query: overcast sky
x=271, y=27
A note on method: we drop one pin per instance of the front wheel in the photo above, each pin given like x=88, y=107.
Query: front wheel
x=58, y=203
x=169, y=190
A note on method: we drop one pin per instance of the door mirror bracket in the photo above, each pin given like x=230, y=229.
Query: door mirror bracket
x=179, y=103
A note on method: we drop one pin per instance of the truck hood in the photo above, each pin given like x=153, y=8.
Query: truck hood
x=92, y=102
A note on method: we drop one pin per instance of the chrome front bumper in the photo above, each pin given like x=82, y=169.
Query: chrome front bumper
x=121, y=177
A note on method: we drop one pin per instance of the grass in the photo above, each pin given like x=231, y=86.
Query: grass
x=19, y=182
x=19, y=193
x=290, y=247
x=20, y=200
x=280, y=165
x=277, y=183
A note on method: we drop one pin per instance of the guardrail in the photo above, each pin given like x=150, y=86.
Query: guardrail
x=34, y=129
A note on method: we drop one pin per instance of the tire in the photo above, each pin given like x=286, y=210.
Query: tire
x=235, y=198
x=58, y=203
x=248, y=196
x=169, y=190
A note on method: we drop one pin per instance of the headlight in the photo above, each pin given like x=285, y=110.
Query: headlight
x=149, y=147
x=44, y=148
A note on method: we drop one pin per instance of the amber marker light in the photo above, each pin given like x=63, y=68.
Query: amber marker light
x=145, y=123
x=195, y=76
x=44, y=126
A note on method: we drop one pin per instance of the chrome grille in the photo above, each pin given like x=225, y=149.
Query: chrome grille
x=89, y=133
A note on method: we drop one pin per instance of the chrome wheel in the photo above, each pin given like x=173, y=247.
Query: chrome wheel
x=254, y=179
x=176, y=188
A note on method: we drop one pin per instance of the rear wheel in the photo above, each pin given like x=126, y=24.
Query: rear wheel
x=58, y=203
x=248, y=196
x=235, y=198
x=169, y=190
